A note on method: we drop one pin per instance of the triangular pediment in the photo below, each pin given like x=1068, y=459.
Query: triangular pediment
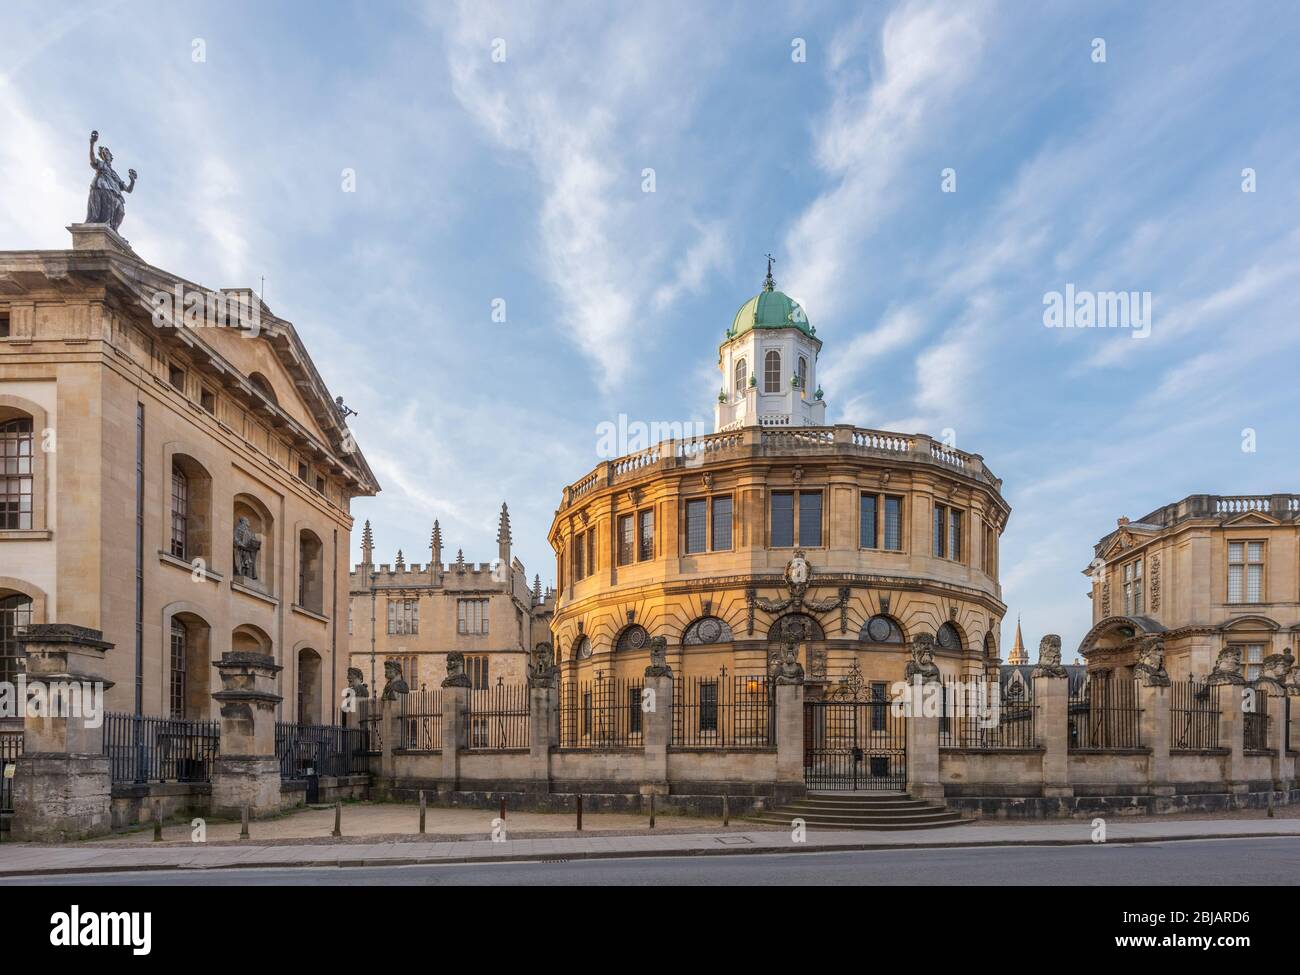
x=1251, y=519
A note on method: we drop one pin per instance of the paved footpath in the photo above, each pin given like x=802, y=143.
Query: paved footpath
x=26, y=859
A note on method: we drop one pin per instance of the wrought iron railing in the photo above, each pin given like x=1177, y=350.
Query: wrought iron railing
x=1104, y=713
x=11, y=746
x=497, y=717
x=320, y=749
x=1193, y=714
x=608, y=712
x=421, y=720
x=370, y=720
x=726, y=711
x=1255, y=721
x=145, y=749
x=976, y=714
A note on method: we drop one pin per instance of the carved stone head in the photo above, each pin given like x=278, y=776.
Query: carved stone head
x=1049, y=650
x=1227, y=668
x=357, y=683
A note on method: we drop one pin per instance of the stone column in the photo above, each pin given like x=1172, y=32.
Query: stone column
x=246, y=772
x=657, y=729
x=789, y=733
x=390, y=732
x=543, y=735
x=62, y=786
x=1052, y=698
x=1153, y=700
x=922, y=743
x=1232, y=728
x=1283, y=766
x=455, y=705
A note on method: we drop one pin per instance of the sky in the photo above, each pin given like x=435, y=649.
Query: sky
x=498, y=226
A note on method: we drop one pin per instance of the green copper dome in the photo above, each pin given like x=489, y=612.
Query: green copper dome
x=770, y=309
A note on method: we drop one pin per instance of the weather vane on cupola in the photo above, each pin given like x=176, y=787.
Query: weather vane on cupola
x=768, y=283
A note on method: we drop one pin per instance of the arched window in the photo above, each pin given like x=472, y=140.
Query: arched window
x=309, y=686
x=881, y=629
x=796, y=626
x=990, y=646
x=772, y=372
x=634, y=637
x=17, y=467
x=180, y=668
x=254, y=547
x=582, y=649
x=180, y=512
x=248, y=638
x=706, y=630
x=15, y=614
x=310, y=572
x=948, y=637
x=741, y=375
x=803, y=373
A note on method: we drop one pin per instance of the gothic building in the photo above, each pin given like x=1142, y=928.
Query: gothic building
x=174, y=474
x=414, y=615
x=777, y=526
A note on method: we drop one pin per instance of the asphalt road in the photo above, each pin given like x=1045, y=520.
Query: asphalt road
x=1254, y=862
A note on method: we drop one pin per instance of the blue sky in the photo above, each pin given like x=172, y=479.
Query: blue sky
x=521, y=180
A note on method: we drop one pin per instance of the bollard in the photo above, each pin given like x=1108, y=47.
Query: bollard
x=503, y=809
x=338, y=819
x=243, y=823
x=1270, y=803
x=652, y=810
x=422, y=808
x=157, y=825
x=579, y=812
x=726, y=812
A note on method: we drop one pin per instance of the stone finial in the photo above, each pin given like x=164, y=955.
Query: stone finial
x=922, y=666
x=658, y=658
x=456, y=676
x=401, y=561
x=435, y=543
x=396, y=684
x=367, y=544
x=1049, y=658
x=1151, y=662
x=503, y=535
x=460, y=560
x=537, y=588
x=1227, y=668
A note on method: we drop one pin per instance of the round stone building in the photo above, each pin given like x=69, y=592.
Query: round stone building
x=777, y=527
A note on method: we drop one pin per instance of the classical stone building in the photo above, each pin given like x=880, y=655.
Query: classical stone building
x=1206, y=573
x=415, y=615
x=853, y=541
x=175, y=475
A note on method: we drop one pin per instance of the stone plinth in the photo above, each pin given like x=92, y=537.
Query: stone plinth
x=62, y=786
x=1153, y=700
x=98, y=237
x=543, y=731
x=923, y=780
x=789, y=733
x=246, y=773
x=455, y=705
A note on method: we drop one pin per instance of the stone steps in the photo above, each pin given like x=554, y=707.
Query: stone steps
x=883, y=811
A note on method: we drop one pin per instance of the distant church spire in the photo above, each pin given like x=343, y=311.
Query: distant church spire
x=768, y=283
x=1018, y=655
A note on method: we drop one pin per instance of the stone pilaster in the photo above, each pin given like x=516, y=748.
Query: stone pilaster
x=1153, y=700
x=62, y=786
x=246, y=772
x=1052, y=698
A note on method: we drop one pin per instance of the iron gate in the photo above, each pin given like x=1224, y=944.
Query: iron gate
x=854, y=745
